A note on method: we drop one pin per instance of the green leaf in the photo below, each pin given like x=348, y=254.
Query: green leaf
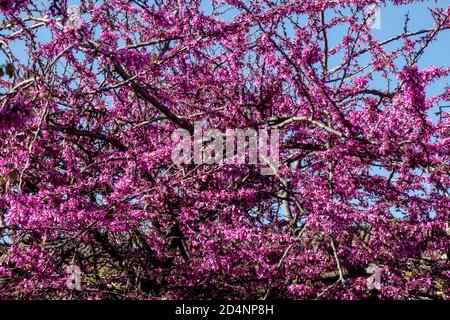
x=439, y=285
x=2, y=183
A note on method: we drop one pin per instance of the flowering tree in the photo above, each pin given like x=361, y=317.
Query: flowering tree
x=88, y=105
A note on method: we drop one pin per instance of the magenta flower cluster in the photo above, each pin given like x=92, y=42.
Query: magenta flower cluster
x=87, y=181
